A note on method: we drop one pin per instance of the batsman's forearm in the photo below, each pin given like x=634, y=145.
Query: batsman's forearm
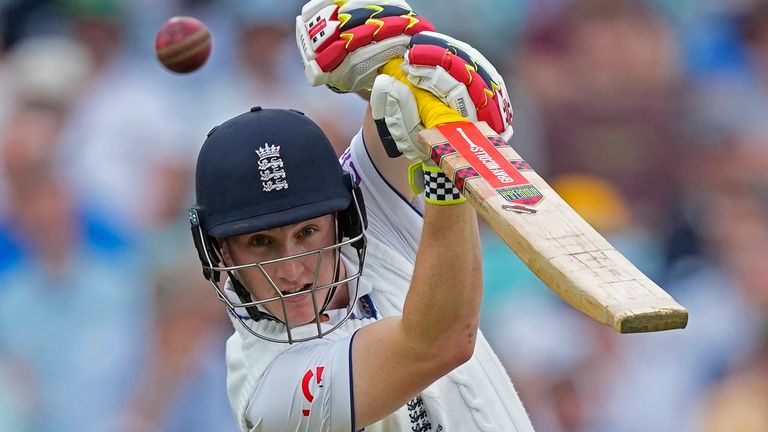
x=443, y=305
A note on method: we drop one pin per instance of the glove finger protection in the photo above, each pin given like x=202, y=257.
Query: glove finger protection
x=396, y=114
x=344, y=42
x=461, y=77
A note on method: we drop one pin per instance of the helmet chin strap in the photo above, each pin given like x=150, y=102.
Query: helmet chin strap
x=245, y=297
x=332, y=290
x=337, y=252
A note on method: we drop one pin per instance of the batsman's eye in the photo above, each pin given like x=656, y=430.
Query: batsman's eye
x=307, y=231
x=259, y=241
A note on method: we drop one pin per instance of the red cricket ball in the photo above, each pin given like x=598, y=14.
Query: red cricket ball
x=183, y=44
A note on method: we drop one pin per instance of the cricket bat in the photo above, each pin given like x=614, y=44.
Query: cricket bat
x=557, y=244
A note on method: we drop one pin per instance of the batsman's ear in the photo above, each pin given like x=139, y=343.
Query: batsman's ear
x=223, y=250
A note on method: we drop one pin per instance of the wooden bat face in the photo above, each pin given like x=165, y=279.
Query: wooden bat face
x=562, y=249
x=557, y=244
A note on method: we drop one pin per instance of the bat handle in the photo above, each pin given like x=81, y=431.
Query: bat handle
x=432, y=111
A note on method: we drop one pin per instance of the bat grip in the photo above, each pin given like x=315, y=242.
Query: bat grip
x=432, y=111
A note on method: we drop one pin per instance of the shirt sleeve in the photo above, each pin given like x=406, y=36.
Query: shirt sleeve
x=392, y=219
x=307, y=388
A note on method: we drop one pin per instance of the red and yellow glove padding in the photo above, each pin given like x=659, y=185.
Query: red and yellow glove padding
x=361, y=27
x=426, y=50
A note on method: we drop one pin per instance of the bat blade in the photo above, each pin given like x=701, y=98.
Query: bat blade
x=557, y=244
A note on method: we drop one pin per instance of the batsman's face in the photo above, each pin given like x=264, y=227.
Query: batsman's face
x=294, y=277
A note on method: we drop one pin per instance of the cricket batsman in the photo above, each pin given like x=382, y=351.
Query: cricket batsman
x=354, y=286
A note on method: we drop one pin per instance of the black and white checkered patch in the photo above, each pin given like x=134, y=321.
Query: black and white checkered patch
x=439, y=188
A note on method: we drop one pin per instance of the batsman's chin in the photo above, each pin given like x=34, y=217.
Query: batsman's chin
x=299, y=310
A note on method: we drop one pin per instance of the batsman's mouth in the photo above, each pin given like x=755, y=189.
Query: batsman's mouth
x=296, y=295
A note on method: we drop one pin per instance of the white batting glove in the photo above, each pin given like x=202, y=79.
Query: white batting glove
x=461, y=77
x=344, y=42
x=394, y=109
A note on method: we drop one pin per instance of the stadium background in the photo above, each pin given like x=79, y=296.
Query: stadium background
x=650, y=117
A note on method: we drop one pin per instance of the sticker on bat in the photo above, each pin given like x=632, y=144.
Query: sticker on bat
x=486, y=161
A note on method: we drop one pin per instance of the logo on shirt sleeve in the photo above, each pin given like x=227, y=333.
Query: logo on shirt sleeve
x=312, y=380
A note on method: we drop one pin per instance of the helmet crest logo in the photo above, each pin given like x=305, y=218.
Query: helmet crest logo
x=273, y=177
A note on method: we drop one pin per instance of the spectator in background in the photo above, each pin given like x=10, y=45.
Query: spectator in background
x=15, y=409
x=72, y=296
x=709, y=32
x=755, y=30
x=724, y=101
x=727, y=122
x=504, y=19
x=666, y=377
x=652, y=381
x=574, y=375
x=6, y=103
x=5, y=84
x=604, y=78
x=181, y=389
x=45, y=71
x=739, y=226
x=122, y=147
x=117, y=133
x=740, y=401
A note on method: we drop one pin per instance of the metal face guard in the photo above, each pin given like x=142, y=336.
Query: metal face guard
x=358, y=242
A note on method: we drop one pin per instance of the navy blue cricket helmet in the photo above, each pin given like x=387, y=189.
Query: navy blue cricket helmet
x=265, y=169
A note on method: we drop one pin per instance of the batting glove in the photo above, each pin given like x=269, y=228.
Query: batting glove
x=344, y=42
x=461, y=77
x=395, y=110
x=453, y=71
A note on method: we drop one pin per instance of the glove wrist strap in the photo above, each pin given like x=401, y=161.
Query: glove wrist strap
x=437, y=187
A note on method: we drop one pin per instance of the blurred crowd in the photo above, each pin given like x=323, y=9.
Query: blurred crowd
x=649, y=117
